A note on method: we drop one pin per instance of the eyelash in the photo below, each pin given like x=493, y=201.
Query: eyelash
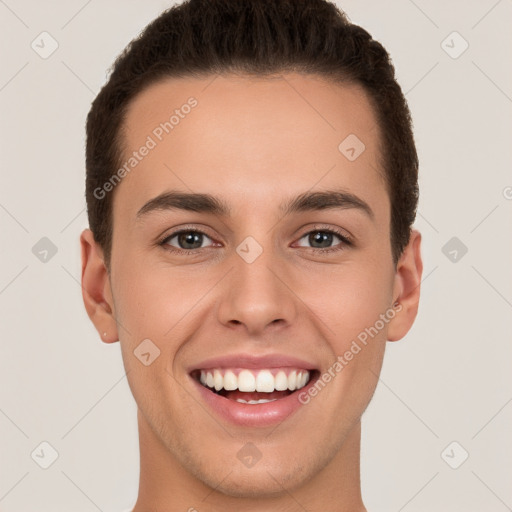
x=192, y=252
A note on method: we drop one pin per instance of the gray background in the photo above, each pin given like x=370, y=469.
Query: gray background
x=448, y=380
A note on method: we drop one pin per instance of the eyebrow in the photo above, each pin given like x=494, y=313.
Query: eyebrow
x=206, y=203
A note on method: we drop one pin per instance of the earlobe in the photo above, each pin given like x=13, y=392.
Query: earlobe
x=406, y=290
x=96, y=291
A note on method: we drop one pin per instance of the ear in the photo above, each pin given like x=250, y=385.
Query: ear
x=406, y=290
x=96, y=290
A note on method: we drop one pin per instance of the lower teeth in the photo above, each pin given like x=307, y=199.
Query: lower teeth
x=262, y=401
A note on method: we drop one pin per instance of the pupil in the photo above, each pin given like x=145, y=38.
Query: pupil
x=190, y=238
x=321, y=235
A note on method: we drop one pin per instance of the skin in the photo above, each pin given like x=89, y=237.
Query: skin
x=255, y=143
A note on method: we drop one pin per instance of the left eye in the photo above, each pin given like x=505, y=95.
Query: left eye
x=323, y=237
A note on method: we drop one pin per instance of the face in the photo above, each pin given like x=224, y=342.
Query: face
x=274, y=282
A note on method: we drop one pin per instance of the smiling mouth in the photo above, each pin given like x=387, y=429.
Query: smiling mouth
x=251, y=386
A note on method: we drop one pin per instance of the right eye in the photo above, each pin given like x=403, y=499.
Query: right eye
x=187, y=240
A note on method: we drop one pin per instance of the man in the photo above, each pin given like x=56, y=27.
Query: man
x=251, y=189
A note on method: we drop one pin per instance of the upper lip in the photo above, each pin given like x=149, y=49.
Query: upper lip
x=253, y=362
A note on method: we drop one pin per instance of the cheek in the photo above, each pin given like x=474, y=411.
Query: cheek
x=354, y=307
x=151, y=299
x=349, y=301
x=151, y=313
x=158, y=309
x=351, y=307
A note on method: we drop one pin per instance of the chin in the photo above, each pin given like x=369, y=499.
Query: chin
x=271, y=481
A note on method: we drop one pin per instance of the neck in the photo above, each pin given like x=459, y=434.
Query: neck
x=165, y=484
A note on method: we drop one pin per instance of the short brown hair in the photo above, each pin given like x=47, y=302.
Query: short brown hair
x=198, y=38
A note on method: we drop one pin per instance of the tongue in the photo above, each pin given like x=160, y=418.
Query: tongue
x=254, y=395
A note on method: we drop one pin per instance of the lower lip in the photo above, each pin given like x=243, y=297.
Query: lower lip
x=252, y=415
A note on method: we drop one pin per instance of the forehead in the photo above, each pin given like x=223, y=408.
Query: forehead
x=249, y=137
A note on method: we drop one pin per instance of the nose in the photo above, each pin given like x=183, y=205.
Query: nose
x=257, y=297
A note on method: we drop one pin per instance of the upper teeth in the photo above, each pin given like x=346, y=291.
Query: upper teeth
x=254, y=380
